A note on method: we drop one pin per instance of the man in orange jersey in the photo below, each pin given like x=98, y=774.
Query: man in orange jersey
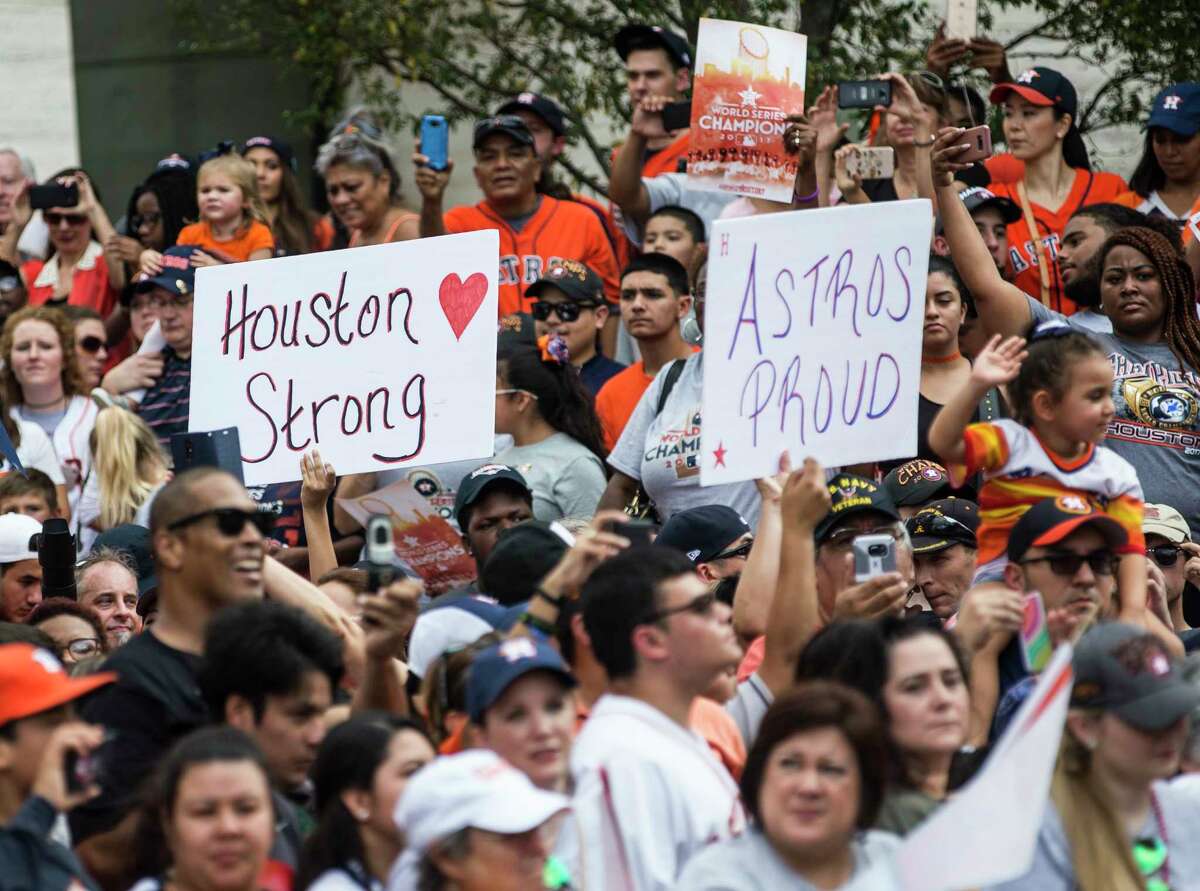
x=535, y=230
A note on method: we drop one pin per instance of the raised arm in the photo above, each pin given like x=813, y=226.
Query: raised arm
x=432, y=186
x=997, y=363
x=756, y=585
x=318, y=484
x=823, y=117
x=1003, y=307
x=625, y=187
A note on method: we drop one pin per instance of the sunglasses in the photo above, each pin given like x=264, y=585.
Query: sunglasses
x=1164, y=555
x=90, y=344
x=700, y=606
x=938, y=525
x=1100, y=562
x=145, y=219
x=230, y=520
x=742, y=550
x=83, y=647
x=566, y=312
x=71, y=219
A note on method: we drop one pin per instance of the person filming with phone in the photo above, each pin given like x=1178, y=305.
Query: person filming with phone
x=45, y=768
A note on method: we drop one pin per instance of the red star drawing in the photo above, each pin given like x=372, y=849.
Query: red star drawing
x=719, y=453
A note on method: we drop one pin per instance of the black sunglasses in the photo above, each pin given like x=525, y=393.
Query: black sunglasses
x=1100, y=562
x=566, y=312
x=144, y=219
x=90, y=344
x=938, y=524
x=230, y=520
x=74, y=219
x=701, y=606
x=1164, y=555
x=742, y=550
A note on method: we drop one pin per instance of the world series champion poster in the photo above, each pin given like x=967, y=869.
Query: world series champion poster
x=748, y=79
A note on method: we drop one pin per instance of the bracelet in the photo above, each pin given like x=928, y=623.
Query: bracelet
x=537, y=624
x=804, y=199
x=548, y=597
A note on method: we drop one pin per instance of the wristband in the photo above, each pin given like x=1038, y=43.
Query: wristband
x=538, y=624
x=804, y=199
x=541, y=592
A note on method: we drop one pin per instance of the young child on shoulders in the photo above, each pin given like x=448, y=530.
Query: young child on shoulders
x=1061, y=394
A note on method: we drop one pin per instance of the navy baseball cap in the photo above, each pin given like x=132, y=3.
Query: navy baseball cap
x=1040, y=86
x=1177, y=108
x=278, y=146
x=480, y=479
x=574, y=279
x=178, y=274
x=496, y=669
x=977, y=198
x=677, y=48
x=853, y=494
x=701, y=533
x=943, y=524
x=916, y=483
x=546, y=109
x=508, y=124
x=521, y=558
x=516, y=329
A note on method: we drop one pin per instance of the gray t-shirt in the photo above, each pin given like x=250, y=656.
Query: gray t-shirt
x=749, y=863
x=748, y=706
x=1052, y=869
x=664, y=451
x=567, y=480
x=1157, y=423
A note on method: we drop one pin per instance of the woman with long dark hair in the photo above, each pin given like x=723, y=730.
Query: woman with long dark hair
x=297, y=229
x=558, y=446
x=1166, y=181
x=361, y=769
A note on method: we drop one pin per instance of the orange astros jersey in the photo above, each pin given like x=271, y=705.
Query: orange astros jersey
x=558, y=230
x=1019, y=472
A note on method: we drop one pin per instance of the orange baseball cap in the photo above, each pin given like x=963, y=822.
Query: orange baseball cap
x=32, y=680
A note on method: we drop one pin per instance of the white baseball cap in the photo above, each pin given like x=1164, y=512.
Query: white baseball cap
x=1164, y=520
x=474, y=789
x=15, y=532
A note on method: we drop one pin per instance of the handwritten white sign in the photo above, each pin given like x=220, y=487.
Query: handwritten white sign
x=379, y=356
x=812, y=340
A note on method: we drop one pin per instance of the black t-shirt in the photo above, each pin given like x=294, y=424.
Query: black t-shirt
x=155, y=701
x=596, y=371
x=880, y=190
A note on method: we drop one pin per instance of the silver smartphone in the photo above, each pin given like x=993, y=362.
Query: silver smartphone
x=962, y=19
x=873, y=556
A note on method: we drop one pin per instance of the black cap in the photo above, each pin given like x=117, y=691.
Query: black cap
x=278, y=146
x=1051, y=520
x=574, y=279
x=917, y=482
x=943, y=524
x=677, y=48
x=134, y=542
x=977, y=197
x=701, y=533
x=546, y=109
x=508, y=124
x=516, y=329
x=178, y=275
x=521, y=558
x=853, y=494
x=1126, y=670
x=474, y=484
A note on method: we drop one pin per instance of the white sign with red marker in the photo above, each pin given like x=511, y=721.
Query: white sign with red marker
x=812, y=337
x=379, y=357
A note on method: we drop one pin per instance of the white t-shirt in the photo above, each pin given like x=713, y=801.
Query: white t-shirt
x=649, y=795
x=35, y=451
x=664, y=451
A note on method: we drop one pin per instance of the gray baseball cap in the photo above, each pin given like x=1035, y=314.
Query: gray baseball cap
x=1125, y=670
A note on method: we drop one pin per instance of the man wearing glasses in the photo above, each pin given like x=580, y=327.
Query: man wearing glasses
x=715, y=537
x=535, y=230
x=568, y=300
x=166, y=404
x=1169, y=545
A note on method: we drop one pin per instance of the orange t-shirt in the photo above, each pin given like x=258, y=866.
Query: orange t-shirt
x=558, y=230
x=249, y=239
x=670, y=159
x=89, y=284
x=618, y=398
x=1005, y=170
x=1088, y=188
x=322, y=233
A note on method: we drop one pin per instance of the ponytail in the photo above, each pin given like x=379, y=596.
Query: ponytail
x=545, y=372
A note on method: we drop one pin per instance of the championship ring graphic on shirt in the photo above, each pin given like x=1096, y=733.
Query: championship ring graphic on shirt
x=1152, y=403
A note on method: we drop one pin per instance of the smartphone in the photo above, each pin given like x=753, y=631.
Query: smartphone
x=80, y=771
x=873, y=555
x=1036, y=648
x=864, y=93
x=980, y=141
x=962, y=19
x=872, y=163
x=53, y=195
x=677, y=116
x=435, y=141
x=381, y=548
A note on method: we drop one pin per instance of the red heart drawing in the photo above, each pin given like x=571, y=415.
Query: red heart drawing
x=461, y=300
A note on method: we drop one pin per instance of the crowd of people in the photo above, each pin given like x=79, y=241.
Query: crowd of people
x=650, y=684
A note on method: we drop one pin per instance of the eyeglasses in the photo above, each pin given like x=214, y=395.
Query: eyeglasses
x=843, y=537
x=83, y=647
x=144, y=219
x=509, y=392
x=742, y=550
x=1164, y=555
x=71, y=219
x=230, y=520
x=90, y=344
x=1100, y=562
x=566, y=312
x=700, y=606
x=175, y=301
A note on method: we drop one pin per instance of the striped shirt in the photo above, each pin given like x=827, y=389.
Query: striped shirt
x=165, y=408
